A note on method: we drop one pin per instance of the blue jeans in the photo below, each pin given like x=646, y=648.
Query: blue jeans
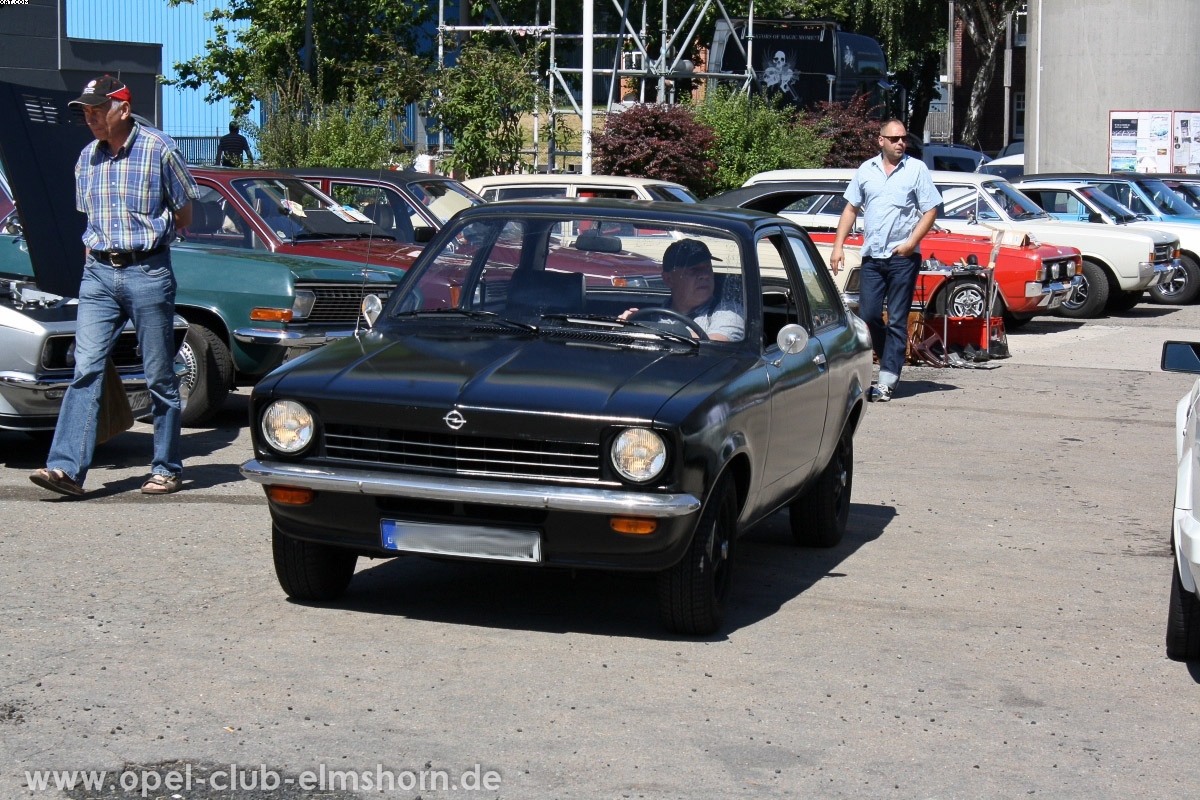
x=888, y=281
x=108, y=297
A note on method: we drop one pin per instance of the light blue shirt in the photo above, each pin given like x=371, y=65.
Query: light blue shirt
x=891, y=204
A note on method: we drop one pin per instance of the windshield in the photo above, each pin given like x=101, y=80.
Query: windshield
x=1166, y=200
x=1190, y=192
x=296, y=211
x=619, y=276
x=442, y=198
x=1106, y=204
x=994, y=201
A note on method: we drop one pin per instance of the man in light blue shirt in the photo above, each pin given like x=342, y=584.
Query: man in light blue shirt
x=899, y=203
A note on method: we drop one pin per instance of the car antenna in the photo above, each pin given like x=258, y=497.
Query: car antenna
x=367, y=262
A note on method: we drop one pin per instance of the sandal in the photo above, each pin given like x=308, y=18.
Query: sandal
x=161, y=484
x=56, y=481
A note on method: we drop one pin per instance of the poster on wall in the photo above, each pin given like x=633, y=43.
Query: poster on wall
x=1154, y=141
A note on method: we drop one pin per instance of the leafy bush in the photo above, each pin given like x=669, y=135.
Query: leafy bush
x=481, y=102
x=752, y=134
x=300, y=132
x=654, y=141
x=850, y=130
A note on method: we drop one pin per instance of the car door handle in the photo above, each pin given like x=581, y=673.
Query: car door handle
x=819, y=359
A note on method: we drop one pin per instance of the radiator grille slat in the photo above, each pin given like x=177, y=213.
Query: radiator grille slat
x=463, y=455
x=342, y=302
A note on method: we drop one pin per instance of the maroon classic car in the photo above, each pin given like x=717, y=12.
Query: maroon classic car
x=277, y=213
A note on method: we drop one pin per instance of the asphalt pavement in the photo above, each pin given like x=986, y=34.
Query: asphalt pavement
x=992, y=625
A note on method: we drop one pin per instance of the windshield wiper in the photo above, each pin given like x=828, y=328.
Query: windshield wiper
x=471, y=313
x=1030, y=214
x=623, y=323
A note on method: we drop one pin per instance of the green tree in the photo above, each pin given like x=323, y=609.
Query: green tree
x=481, y=102
x=985, y=22
x=360, y=45
x=752, y=135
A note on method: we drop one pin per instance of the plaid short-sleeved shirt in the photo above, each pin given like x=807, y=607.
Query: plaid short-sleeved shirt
x=130, y=197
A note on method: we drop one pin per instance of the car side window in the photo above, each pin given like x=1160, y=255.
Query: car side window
x=385, y=207
x=612, y=194
x=216, y=221
x=824, y=304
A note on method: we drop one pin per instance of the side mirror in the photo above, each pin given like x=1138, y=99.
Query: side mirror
x=423, y=234
x=791, y=339
x=1181, y=357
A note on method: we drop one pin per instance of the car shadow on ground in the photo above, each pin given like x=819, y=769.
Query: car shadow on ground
x=134, y=447
x=770, y=570
x=1193, y=669
x=1041, y=326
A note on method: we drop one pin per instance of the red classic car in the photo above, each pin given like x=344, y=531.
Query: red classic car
x=1031, y=278
x=278, y=213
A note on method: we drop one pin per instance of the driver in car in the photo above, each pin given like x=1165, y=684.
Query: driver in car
x=688, y=273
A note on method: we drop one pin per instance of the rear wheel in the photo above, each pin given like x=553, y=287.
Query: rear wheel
x=818, y=517
x=1090, y=297
x=692, y=594
x=1183, y=287
x=311, y=571
x=207, y=376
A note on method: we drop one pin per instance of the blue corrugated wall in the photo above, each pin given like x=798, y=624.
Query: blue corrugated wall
x=183, y=32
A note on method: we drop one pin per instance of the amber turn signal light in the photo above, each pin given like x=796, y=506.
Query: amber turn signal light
x=271, y=314
x=290, y=495
x=635, y=525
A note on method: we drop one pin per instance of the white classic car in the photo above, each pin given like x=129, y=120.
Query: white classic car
x=616, y=187
x=1119, y=264
x=1081, y=202
x=1183, y=613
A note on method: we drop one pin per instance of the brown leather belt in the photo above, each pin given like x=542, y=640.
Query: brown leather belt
x=124, y=258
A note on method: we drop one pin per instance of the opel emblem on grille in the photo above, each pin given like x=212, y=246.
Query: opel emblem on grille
x=455, y=420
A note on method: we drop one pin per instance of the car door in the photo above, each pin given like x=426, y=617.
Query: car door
x=799, y=381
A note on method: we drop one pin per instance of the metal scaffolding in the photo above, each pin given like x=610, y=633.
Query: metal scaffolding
x=631, y=60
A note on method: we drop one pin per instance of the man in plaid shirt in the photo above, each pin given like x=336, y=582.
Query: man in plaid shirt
x=136, y=190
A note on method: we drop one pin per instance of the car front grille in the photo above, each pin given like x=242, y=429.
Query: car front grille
x=1062, y=269
x=449, y=453
x=58, y=354
x=1164, y=252
x=341, y=302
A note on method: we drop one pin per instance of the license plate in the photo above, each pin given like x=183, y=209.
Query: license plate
x=139, y=402
x=468, y=541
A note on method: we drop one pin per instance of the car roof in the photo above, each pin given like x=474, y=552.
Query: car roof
x=563, y=178
x=383, y=175
x=1133, y=177
x=783, y=193
x=656, y=210
x=1018, y=158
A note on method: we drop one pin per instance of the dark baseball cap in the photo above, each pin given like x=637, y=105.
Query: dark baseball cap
x=102, y=89
x=685, y=253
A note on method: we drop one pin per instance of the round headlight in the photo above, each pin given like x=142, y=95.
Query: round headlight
x=639, y=454
x=287, y=426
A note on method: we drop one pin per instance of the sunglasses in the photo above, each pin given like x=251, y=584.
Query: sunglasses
x=892, y=139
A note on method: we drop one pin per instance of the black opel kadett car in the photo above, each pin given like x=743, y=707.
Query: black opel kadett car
x=575, y=383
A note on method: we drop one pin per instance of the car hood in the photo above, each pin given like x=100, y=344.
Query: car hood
x=379, y=253
x=1187, y=233
x=1062, y=232
x=498, y=381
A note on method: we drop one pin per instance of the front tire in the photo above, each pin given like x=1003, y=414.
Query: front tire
x=1090, y=297
x=208, y=374
x=818, y=517
x=1182, y=288
x=311, y=571
x=692, y=594
x=1183, y=619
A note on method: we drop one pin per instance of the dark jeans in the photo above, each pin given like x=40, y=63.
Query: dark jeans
x=888, y=281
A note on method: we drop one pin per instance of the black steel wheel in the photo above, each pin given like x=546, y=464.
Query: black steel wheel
x=1183, y=287
x=818, y=517
x=1183, y=620
x=692, y=594
x=311, y=571
x=1090, y=297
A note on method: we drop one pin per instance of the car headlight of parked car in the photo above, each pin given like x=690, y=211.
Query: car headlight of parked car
x=639, y=454
x=287, y=426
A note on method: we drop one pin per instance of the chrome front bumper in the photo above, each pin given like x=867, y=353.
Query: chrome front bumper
x=497, y=493
x=290, y=339
x=1153, y=273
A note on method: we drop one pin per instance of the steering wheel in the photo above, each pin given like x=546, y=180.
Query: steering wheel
x=671, y=317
